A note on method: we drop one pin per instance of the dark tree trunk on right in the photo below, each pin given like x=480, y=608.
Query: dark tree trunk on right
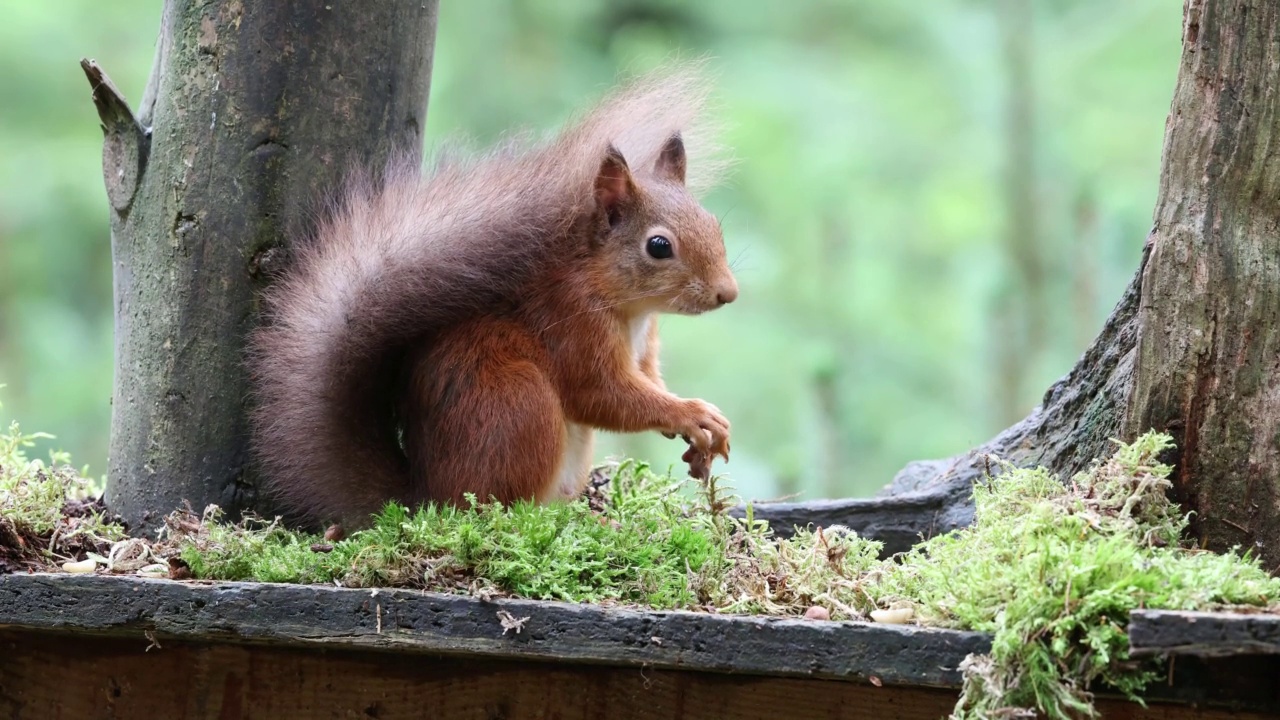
x=1208, y=362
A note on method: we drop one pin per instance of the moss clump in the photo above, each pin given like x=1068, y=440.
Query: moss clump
x=647, y=549
x=657, y=542
x=1053, y=571
x=49, y=511
x=822, y=567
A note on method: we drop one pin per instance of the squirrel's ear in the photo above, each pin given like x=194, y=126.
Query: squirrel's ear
x=614, y=186
x=671, y=161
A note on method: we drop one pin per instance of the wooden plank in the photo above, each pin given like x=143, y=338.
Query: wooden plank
x=1240, y=683
x=898, y=521
x=113, y=678
x=1203, y=634
x=408, y=621
x=215, y=621
x=45, y=675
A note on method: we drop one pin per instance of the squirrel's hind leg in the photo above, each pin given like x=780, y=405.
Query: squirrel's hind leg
x=482, y=417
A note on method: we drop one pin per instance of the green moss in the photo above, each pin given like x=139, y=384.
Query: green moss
x=1050, y=569
x=1053, y=570
x=35, y=495
x=646, y=549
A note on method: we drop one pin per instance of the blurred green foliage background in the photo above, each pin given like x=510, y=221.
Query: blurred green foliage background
x=935, y=205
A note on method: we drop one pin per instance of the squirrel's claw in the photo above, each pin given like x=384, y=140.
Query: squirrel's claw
x=706, y=431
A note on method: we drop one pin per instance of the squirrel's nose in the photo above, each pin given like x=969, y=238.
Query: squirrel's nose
x=727, y=293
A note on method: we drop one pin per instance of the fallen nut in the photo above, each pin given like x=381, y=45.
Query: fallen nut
x=84, y=566
x=817, y=612
x=896, y=616
x=699, y=463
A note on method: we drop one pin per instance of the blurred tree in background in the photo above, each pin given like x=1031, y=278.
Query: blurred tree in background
x=935, y=205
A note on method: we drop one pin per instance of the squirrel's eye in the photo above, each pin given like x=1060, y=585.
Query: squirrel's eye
x=658, y=247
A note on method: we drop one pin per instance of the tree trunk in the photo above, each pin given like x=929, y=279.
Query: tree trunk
x=1193, y=347
x=1020, y=324
x=1208, y=365
x=253, y=111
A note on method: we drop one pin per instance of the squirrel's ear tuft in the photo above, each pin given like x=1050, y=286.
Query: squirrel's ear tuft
x=614, y=186
x=671, y=161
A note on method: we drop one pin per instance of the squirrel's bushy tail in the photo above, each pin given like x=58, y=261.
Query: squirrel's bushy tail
x=401, y=255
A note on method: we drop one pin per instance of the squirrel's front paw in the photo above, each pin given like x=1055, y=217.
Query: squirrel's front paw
x=705, y=428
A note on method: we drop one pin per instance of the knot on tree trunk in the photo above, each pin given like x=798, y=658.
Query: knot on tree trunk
x=125, y=141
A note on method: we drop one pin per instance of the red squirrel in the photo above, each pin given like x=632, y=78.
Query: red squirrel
x=466, y=330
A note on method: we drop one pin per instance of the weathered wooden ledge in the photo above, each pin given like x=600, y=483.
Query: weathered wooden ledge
x=408, y=621
x=1203, y=634
x=72, y=645
x=899, y=521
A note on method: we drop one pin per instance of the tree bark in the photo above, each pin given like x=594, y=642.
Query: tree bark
x=1208, y=363
x=252, y=112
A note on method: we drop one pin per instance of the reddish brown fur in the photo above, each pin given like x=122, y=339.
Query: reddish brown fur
x=484, y=415
x=493, y=312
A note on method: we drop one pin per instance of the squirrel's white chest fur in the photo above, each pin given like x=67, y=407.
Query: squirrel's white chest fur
x=579, y=440
x=638, y=329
